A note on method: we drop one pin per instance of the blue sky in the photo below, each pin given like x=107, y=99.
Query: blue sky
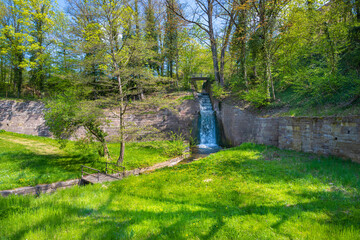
x=61, y=4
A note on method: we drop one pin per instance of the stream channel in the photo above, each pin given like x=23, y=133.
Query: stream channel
x=208, y=142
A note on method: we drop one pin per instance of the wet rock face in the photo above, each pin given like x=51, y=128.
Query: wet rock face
x=339, y=136
x=28, y=118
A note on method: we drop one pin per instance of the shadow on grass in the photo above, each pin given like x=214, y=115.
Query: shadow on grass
x=273, y=165
x=119, y=224
x=116, y=221
x=46, y=168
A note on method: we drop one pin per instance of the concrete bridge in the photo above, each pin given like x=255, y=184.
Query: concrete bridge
x=200, y=76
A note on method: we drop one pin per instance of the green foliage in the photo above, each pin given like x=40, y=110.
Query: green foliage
x=256, y=96
x=177, y=146
x=193, y=140
x=248, y=192
x=66, y=113
x=314, y=52
x=218, y=91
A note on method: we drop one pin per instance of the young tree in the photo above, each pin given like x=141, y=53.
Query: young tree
x=119, y=54
x=68, y=112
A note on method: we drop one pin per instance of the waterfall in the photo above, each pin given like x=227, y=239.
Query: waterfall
x=207, y=123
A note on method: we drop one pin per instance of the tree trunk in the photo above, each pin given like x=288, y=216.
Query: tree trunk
x=122, y=153
x=213, y=45
x=177, y=71
x=244, y=72
x=267, y=68
x=222, y=64
x=18, y=79
x=272, y=85
x=268, y=76
x=122, y=140
x=223, y=52
x=106, y=150
x=216, y=63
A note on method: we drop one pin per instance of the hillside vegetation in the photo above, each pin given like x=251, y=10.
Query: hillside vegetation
x=247, y=192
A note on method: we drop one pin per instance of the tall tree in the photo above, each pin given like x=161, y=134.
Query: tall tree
x=171, y=37
x=152, y=35
x=41, y=18
x=14, y=33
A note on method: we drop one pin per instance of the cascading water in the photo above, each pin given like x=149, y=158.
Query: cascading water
x=208, y=143
x=207, y=124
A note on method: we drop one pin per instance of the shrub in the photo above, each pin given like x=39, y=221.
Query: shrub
x=218, y=91
x=176, y=145
x=257, y=97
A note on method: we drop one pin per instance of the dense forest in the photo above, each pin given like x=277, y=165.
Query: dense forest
x=252, y=49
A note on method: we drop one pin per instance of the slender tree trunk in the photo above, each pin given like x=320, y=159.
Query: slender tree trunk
x=223, y=52
x=272, y=85
x=222, y=63
x=243, y=20
x=106, y=150
x=177, y=71
x=267, y=69
x=122, y=128
x=244, y=72
x=18, y=79
x=215, y=61
x=213, y=45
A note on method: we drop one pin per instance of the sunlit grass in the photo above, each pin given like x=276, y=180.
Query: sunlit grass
x=248, y=192
x=29, y=160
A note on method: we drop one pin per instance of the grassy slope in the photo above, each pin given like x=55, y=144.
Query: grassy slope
x=293, y=105
x=248, y=192
x=289, y=103
x=29, y=160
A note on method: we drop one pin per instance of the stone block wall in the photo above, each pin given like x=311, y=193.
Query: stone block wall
x=339, y=136
x=328, y=135
x=23, y=117
x=28, y=118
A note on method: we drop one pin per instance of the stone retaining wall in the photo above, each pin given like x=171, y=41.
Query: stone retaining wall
x=339, y=136
x=41, y=188
x=28, y=118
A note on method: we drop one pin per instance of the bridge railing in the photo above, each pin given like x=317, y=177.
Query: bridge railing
x=115, y=168
x=84, y=173
x=200, y=75
x=109, y=168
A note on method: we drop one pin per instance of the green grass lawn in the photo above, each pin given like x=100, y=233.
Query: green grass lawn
x=248, y=192
x=29, y=160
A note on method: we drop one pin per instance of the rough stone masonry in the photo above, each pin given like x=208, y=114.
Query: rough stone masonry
x=339, y=136
x=28, y=118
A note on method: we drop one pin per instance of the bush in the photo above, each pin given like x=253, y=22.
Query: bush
x=257, y=97
x=218, y=91
x=176, y=145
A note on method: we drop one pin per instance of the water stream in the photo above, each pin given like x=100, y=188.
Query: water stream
x=207, y=130
x=208, y=140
